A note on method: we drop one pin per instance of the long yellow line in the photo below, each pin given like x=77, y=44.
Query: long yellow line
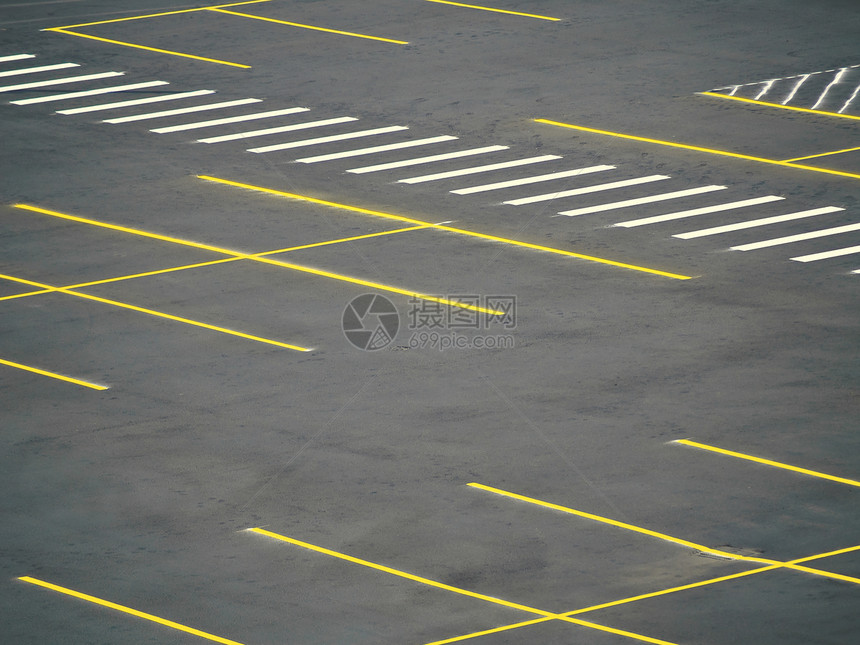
x=457, y=590
x=780, y=106
x=154, y=15
x=513, y=13
x=127, y=610
x=53, y=375
x=443, y=227
x=769, y=462
x=296, y=24
x=822, y=154
x=684, y=146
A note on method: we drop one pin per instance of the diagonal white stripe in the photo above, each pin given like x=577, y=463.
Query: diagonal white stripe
x=8, y=59
x=851, y=250
x=283, y=128
x=188, y=110
x=699, y=211
x=74, y=95
x=132, y=102
x=586, y=189
x=231, y=119
x=765, y=221
x=33, y=70
x=479, y=169
x=60, y=81
x=532, y=180
x=336, y=137
x=797, y=238
x=422, y=160
x=369, y=151
x=643, y=200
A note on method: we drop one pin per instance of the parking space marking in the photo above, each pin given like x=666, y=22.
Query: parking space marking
x=231, y=119
x=127, y=610
x=54, y=375
x=337, y=137
x=826, y=255
x=473, y=170
x=494, y=10
x=790, y=239
x=60, y=81
x=306, y=125
x=187, y=110
x=443, y=227
x=753, y=223
x=132, y=102
x=534, y=179
x=377, y=149
x=417, y=161
x=456, y=590
x=74, y=95
x=34, y=70
x=767, y=462
x=11, y=57
x=780, y=106
x=823, y=154
x=718, y=208
x=636, y=181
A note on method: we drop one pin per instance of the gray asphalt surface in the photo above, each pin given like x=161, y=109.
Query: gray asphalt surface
x=142, y=494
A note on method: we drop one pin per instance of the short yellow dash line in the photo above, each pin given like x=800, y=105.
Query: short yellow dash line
x=296, y=24
x=822, y=154
x=494, y=10
x=780, y=106
x=127, y=610
x=59, y=377
x=712, y=151
x=768, y=462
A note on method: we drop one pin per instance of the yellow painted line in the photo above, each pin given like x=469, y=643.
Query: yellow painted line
x=151, y=49
x=768, y=462
x=153, y=15
x=264, y=260
x=366, y=236
x=684, y=146
x=443, y=227
x=780, y=106
x=296, y=24
x=127, y=610
x=513, y=13
x=822, y=154
x=59, y=377
x=457, y=590
x=157, y=314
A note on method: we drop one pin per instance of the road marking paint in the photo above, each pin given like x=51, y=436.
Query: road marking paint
x=232, y=119
x=823, y=154
x=516, y=163
x=127, y=610
x=133, y=102
x=700, y=211
x=60, y=81
x=446, y=587
x=443, y=227
x=780, y=106
x=716, y=230
x=9, y=59
x=513, y=13
x=827, y=89
x=531, y=180
x=103, y=90
x=850, y=100
x=766, y=85
x=337, y=137
x=156, y=15
x=296, y=24
x=796, y=87
x=375, y=149
x=642, y=200
x=684, y=146
x=789, y=239
x=54, y=375
x=178, y=111
x=768, y=462
x=826, y=255
x=34, y=70
x=284, y=128
x=586, y=189
x=422, y=160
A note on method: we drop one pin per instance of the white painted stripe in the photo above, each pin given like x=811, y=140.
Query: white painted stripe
x=422, y=160
x=643, y=200
x=188, y=110
x=835, y=80
x=8, y=59
x=283, y=128
x=856, y=271
x=479, y=169
x=369, y=151
x=850, y=100
x=60, y=81
x=796, y=87
x=531, y=180
x=33, y=70
x=586, y=189
x=850, y=250
x=337, y=137
x=74, y=95
x=716, y=230
x=700, y=211
x=765, y=89
x=130, y=103
x=231, y=119
x=797, y=238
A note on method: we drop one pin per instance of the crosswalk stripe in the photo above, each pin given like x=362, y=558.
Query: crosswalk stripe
x=642, y=200
x=850, y=250
x=531, y=180
x=232, y=119
x=716, y=230
x=102, y=90
x=132, y=102
x=699, y=211
x=479, y=169
x=9, y=59
x=336, y=137
x=586, y=189
x=188, y=110
x=797, y=238
x=33, y=70
x=283, y=128
x=422, y=160
x=60, y=81
x=369, y=151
